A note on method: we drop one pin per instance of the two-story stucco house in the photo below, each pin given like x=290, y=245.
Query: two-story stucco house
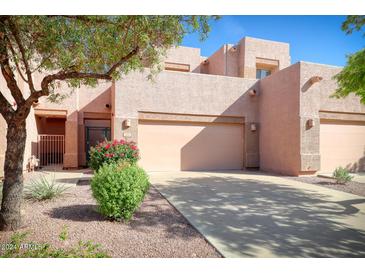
x=246, y=106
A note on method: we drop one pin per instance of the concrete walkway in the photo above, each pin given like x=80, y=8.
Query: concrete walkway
x=257, y=215
x=59, y=175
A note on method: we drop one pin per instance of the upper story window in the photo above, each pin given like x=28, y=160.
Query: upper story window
x=262, y=73
x=265, y=67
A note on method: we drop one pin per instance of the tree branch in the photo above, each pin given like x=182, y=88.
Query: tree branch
x=64, y=75
x=11, y=82
x=16, y=63
x=123, y=60
x=5, y=66
x=5, y=107
x=15, y=33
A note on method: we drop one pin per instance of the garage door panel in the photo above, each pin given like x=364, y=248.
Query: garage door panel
x=342, y=145
x=172, y=146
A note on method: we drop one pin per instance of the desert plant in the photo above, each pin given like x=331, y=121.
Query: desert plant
x=18, y=248
x=342, y=175
x=63, y=234
x=74, y=50
x=44, y=189
x=119, y=189
x=112, y=152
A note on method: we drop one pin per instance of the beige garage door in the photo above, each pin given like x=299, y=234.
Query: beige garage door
x=173, y=146
x=342, y=144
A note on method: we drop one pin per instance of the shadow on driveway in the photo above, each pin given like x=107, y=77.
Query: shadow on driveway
x=254, y=218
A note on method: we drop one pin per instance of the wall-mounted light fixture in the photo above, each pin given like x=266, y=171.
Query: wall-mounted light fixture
x=127, y=122
x=108, y=105
x=310, y=123
x=253, y=127
x=252, y=92
x=315, y=79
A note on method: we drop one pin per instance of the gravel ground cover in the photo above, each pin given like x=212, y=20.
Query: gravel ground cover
x=156, y=230
x=350, y=187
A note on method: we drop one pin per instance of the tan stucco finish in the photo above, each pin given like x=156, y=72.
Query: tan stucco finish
x=189, y=94
x=279, y=122
x=219, y=88
x=174, y=146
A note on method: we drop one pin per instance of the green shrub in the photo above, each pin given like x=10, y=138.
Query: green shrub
x=112, y=152
x=119, y=189
x=19, y=248
x=43, y=189
x=342, y=175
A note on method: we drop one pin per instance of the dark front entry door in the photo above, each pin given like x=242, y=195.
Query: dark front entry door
x=95, y=135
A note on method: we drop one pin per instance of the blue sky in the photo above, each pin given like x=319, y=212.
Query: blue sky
x=316, y=39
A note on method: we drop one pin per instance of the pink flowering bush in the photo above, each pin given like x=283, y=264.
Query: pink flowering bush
x=112, y=152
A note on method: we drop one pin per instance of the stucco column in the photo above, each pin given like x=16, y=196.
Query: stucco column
x=116, y=128
x=81, y=140
x=310, y=100
x=252, y=155
x=121, y=131
x=71, y=141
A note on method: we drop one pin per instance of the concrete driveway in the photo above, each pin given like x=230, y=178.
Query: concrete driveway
x=258, y=215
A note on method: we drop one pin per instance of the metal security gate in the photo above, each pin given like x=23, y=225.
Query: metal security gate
x=51, y=149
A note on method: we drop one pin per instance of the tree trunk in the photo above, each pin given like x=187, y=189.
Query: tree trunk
x=10, y=217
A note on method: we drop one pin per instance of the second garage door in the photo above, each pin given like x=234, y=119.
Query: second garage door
x=173, y=146
x=342, y=144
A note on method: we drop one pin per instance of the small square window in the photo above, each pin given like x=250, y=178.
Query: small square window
x=262, y=73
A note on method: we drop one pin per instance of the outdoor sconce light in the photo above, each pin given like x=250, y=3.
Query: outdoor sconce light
x=127, y=122
x=315, y=79
x=252, y=92
x=310, y=123
x=253, y=127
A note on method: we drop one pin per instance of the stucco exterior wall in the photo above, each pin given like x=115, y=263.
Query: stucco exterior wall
x=92, y=105
x=216, y=62
x=218, y=89
x=185, y=55
x=3, y=126
x=224, y=61
x=184, y=93
x=279, y=121
x=80, y=103
x=240, y=60
x=315, y=99
x=251, y=48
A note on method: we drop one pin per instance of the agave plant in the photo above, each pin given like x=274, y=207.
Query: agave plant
x=342, y=175
x=44, y=189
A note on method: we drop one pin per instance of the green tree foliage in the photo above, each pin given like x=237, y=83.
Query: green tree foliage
x=352, y=78
x=77, y=50
x=353, y=23
x=82, y=49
